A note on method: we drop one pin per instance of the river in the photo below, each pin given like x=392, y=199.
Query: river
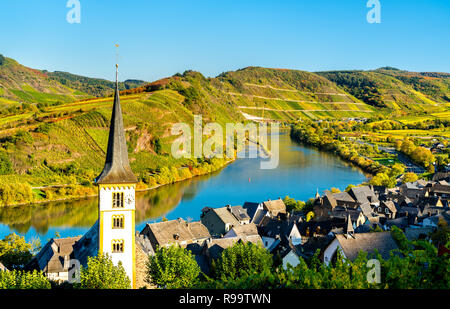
x=301, y=171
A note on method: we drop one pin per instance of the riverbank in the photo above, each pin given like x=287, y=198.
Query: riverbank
x=67, y=192
x=344, y=151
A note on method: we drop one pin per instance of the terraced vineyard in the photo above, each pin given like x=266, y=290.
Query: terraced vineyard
x=58, y=135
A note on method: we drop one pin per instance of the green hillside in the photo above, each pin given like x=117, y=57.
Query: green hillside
x=288, y=95
x=394, y=91
x=19, y=84
x=58, y=135
x=94, y=86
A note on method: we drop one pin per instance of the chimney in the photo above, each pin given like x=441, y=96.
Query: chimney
x=66, y=262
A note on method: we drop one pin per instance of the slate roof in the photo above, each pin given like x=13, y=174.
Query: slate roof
x=366, y=209
x=174, y=231
x=418, y=232
x=240, y=213
x=367, y=242
x=440, y=188
x=55, y=255
x=363, y=194
x=251, y=208
x=216, y=246
x=390, y=205
x=275, y=207
x=259, y=216
x=87, y=246
x=245, y=229
x=279, y=228
x=117, y=167
x=226, y=216
x=344, y=197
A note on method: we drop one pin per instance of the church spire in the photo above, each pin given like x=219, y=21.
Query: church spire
x=117, y=167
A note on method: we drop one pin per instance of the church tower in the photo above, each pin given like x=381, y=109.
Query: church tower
x=116, y=188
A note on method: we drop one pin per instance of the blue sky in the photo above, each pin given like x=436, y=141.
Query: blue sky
x=160, y=38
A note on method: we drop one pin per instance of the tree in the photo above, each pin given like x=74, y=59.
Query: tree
x=172, y=268
x=101, y=273
x=23, y=280
x=242, y=259
x=293, y=205
x=382, y=179
x=309, y=216
x=15, y=252
x=396, y=170
x=410, y=177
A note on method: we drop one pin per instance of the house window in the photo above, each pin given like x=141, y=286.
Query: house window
x=386, y=210
x=117, y=200
x=117, y=246
x=118, y=221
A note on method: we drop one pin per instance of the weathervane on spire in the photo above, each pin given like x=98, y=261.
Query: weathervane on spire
x=117, y=63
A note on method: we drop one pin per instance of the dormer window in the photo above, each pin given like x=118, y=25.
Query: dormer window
x=117, y=200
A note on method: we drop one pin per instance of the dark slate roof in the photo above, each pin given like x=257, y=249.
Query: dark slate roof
x=366, y=209
x=367, y=242
x=55, y=255
x=117, y=167
x=240, y=213
x=251, y=208
x=343, y=196
x=390, y=205
x=418, y=232
x=363, y=194
x=87, y=246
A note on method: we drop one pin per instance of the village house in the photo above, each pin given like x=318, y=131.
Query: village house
x=414, y=190
x=255, y=211
x=274, y=208
x=54, y=258
x=219, y=221
x=279, y=232
x=351, y=244
x=180, y=232
x=386, y=209
x=242, y=230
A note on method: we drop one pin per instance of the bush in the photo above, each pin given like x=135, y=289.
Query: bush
x=101, y=273
x=15, y=252
x=172, y=268
x=23, y=280
x=242, y=259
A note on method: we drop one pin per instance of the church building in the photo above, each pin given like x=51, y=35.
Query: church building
x=116, y=191
x=114, y=232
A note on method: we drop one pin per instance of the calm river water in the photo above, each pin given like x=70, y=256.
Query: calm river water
x=300, y=173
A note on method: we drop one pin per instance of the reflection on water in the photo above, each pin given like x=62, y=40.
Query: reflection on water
x=300, y=173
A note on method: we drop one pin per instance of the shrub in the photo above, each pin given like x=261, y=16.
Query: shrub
x=172, y=268
x=242, y=259
x=101, y=273
x=23, y=280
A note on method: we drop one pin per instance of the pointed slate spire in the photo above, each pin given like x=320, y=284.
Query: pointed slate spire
x=117, y=167
x=349, y=229
x=317, y=193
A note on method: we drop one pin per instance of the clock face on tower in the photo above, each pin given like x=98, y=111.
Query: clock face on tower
x=129, y=199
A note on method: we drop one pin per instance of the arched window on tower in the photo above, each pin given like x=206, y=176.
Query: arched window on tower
x=117, y=200
x=117, y=246
x=118, y=221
